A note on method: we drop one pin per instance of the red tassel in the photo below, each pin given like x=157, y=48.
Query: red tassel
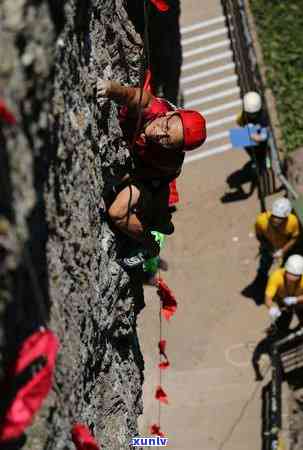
x=173, y=194
x=161, y=395
x=161, y=5
x=169, y=303
x=41, y=346
x=83, y=439
x=163, y=364
x=155, y=430
x=162, y=346
x=6, y=115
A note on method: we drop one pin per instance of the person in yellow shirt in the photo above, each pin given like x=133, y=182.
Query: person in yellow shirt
x=277, y=231
x=283, y=298
x=284, y=293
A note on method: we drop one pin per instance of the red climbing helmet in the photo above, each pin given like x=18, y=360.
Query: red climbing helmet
x=194, y=128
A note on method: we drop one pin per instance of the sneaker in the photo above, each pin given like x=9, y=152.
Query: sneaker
x=135, y=260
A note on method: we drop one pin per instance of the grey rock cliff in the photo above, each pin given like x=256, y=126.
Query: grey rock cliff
x=58, y=159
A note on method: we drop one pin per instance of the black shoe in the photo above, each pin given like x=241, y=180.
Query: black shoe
x=167, y=228
x=134, y=261
x=138, y=257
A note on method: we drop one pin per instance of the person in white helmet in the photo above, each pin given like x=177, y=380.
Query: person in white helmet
x=252, y=113
x=284, y=293
x=277, y=231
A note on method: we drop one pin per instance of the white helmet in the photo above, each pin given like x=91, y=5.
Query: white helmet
x=281, y=208
x=294, y=265
x=252, y=102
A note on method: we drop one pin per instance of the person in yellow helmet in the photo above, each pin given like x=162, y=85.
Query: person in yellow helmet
x=284, y=293
x=277, y=231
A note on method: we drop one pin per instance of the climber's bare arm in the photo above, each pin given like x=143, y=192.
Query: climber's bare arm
x=124, y=95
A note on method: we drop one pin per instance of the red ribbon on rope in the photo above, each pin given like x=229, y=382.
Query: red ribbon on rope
x=6, y=115
x=163, y=364
x=41, y=349
x=161, y=5
x=161, y=395
x=155, y=430
x=82, y=438
x=169, y=303
x=173, y=194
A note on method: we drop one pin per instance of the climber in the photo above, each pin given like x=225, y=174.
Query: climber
x=284, y=293
x=252, y=113
x=277, y=231
x=157, y=149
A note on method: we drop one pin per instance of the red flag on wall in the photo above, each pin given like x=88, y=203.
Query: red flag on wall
x=83, y=439
x=39, y=349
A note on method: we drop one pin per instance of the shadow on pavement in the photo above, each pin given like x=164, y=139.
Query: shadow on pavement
x=256, y=289
x=236, y=180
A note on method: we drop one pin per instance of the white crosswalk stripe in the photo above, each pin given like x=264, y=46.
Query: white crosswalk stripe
x=209, y=60
x=210, y=98
x=205, y=154
x=215, y=137
x=205, y=44
x=208, y=48
x=204, y=36
x=220, y=122
x=205, y=24
x=221, y=108
x=207, y=73
x=211, y=85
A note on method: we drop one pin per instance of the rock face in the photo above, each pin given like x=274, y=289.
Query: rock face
x=58, y=258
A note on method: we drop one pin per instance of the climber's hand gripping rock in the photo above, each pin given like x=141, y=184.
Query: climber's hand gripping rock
x=103, y=89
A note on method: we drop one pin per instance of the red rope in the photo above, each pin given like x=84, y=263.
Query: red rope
x=166, y=297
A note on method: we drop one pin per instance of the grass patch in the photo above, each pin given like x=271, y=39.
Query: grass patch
x=280, y=30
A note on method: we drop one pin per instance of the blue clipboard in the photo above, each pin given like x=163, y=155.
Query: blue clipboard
x=240, y=137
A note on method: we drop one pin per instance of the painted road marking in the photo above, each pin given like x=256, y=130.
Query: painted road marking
x=217, y=136
x=207, y=73
x=204, y=36
x=203, y=24
x=207, y=48
x=211, y=98
x=218, y=123
x=220, y=108
x=207, y=153
x=209, y=60
x=212, y=84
